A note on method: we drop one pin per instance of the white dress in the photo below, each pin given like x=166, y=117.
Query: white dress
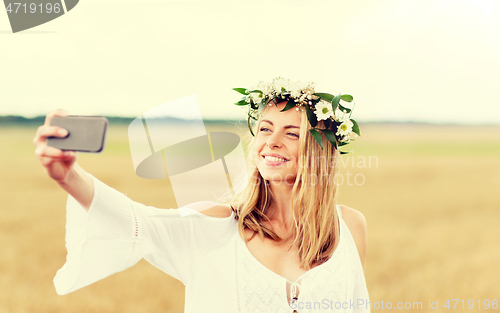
x=205, y=253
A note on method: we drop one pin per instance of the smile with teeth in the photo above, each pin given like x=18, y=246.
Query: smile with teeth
x=274, y=159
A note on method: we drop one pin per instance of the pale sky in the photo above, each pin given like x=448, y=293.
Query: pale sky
x=402, y=60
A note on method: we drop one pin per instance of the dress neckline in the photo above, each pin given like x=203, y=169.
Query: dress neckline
x=259, y=264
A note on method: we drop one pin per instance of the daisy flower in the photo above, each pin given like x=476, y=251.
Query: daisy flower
x=323, y=110
x=345, y=128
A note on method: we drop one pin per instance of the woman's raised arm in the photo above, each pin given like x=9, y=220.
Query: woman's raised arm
x=61, y=165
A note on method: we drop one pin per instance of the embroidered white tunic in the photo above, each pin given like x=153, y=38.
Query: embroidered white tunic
x=205, y=253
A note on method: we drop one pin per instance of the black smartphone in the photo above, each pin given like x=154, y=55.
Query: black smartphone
x=85, y=133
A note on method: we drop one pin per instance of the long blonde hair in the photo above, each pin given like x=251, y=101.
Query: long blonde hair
x=313, y=199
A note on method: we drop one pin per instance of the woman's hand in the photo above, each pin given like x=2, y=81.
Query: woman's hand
x=60, y=165
x=57, y=163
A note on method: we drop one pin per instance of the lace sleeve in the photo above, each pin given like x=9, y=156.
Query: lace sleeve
x=117, y=232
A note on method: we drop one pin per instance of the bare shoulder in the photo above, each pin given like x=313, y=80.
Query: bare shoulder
x=220, y=211
x=356, y=223
x=354, y=219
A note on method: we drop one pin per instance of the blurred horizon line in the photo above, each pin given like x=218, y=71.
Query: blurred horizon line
x=22, y=120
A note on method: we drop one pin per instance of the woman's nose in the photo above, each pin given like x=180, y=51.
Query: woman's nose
x=274, y=140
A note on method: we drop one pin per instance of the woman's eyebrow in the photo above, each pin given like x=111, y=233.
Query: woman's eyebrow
x=286, y=127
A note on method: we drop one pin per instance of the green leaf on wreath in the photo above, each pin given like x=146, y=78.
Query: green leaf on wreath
x=346, y=98
x=311, y=116
x=335, y=102
x=243, y=91
x=317, y=136
x=330, y=135
x=325, y=96
x=355, y=127
x=242, y=102
x=342, y=108
x=290, y=104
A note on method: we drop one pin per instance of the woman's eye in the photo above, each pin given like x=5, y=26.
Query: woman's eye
x=293, y=134
x=264, y=129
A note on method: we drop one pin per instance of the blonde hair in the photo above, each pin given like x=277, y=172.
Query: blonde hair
x=313, y=199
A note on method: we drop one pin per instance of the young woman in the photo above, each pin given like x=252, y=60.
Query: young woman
x=281, y=245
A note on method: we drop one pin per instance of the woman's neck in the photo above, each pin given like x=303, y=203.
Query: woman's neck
x=281, y=207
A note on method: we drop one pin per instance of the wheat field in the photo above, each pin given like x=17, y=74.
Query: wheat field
x=429, y=194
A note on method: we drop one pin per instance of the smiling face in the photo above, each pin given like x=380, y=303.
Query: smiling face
x=276, y=146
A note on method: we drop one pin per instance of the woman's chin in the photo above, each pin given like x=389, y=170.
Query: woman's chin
x=277, y=178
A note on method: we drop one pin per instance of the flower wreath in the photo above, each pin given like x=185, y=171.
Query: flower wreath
x=339, y=129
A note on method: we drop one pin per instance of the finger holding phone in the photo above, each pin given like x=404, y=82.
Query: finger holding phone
x=57, y=162
x=56, y=144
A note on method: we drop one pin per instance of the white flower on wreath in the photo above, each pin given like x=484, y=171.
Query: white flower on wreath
x=323, y=110
x=278, y=84
x=341, y=116
x=295, y=90
x=265, y=88
x=345, y=128
x=295, y=93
